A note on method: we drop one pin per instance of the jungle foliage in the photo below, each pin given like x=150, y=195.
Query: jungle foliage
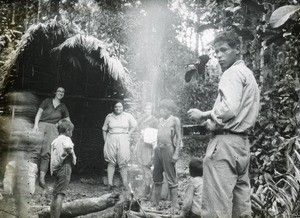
x=144, y=35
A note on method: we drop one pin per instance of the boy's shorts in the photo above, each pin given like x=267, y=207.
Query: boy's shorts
x=63, y=176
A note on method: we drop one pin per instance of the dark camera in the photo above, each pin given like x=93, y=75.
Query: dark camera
x=196, y=129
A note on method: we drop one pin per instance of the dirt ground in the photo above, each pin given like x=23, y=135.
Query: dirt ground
x=86, y=187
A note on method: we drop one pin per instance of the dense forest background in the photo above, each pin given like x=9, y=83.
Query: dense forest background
x=158, y=41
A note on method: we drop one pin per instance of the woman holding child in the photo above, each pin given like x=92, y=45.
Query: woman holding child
x=50, y=112
x=117, y=128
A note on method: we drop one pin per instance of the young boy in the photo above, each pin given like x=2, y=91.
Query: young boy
x=166, y=152
x=62, y=156
x=193, y=195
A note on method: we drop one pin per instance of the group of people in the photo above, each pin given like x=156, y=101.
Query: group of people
x=226, y=185
x=162, y=152
x=57, y=150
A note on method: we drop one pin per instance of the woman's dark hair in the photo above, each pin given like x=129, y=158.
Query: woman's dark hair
x=64, y=125
x=168, y=104
x=55, y=89
x=228, y=36
x=196, y=167
x=113, y=104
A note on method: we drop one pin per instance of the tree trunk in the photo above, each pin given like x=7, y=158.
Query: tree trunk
x=39, y=11
x=54, y=5
x=84, y=206
x=107, y=213
x=154, y=214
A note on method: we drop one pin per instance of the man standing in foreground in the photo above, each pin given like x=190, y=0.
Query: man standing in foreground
x=226, y=185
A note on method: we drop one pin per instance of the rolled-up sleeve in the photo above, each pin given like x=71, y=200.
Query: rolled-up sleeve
x=229, y=98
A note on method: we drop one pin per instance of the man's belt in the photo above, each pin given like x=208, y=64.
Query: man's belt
x=228, y=132
x=163, y=145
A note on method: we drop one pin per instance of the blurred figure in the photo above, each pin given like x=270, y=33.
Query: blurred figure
x=22, y=149
x=117, y=129
x=147, y=127
x=50, y=112
x=166, y=152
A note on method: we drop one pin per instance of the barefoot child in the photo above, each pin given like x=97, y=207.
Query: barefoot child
x=193, y=194
x=62, y=156
x=166, y=152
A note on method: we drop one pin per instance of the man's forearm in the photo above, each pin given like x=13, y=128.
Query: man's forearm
x=178, y=143
x=207, y=114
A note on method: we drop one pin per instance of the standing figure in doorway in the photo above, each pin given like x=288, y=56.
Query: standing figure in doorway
x=50, y=112
x=148, y=124
x=117, y=129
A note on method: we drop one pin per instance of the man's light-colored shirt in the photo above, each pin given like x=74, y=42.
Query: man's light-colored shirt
x=237, y=105
x=58, y=151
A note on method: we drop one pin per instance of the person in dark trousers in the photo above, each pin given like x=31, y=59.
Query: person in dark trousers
x=62, y=158
x=226, y=185
x=166, y=153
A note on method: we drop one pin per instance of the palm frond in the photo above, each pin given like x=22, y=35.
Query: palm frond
x=52, y=28
x=94, y=52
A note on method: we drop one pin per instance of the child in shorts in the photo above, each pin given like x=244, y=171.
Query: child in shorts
x=193, y=195
x=62, y=157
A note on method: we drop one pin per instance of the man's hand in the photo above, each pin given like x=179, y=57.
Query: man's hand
x=195, y=114
x=74, y=159
x=175, y=157
x=35, y=128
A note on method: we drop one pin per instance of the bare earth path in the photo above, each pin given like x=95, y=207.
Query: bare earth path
x=86, y=187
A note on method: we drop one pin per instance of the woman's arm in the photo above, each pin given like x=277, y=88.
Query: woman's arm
x=104, y=132
x=105, y=127
x=37, y=119
x=132, y=125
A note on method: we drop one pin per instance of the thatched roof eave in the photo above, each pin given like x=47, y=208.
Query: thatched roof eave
x=94, y=52
x=46, y=30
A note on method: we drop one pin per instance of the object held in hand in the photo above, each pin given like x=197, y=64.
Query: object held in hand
x=197, y=129
x=150, y=135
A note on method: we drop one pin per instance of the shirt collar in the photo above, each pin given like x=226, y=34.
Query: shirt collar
x=235, y=63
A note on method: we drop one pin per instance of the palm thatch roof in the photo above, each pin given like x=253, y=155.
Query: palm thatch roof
x=50, y=32
x=57, y=54
x=80, y=48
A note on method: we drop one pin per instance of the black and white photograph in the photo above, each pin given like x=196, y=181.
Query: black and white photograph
x=149, y=108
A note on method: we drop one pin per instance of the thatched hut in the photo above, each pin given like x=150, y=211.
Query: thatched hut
x=56, y=54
